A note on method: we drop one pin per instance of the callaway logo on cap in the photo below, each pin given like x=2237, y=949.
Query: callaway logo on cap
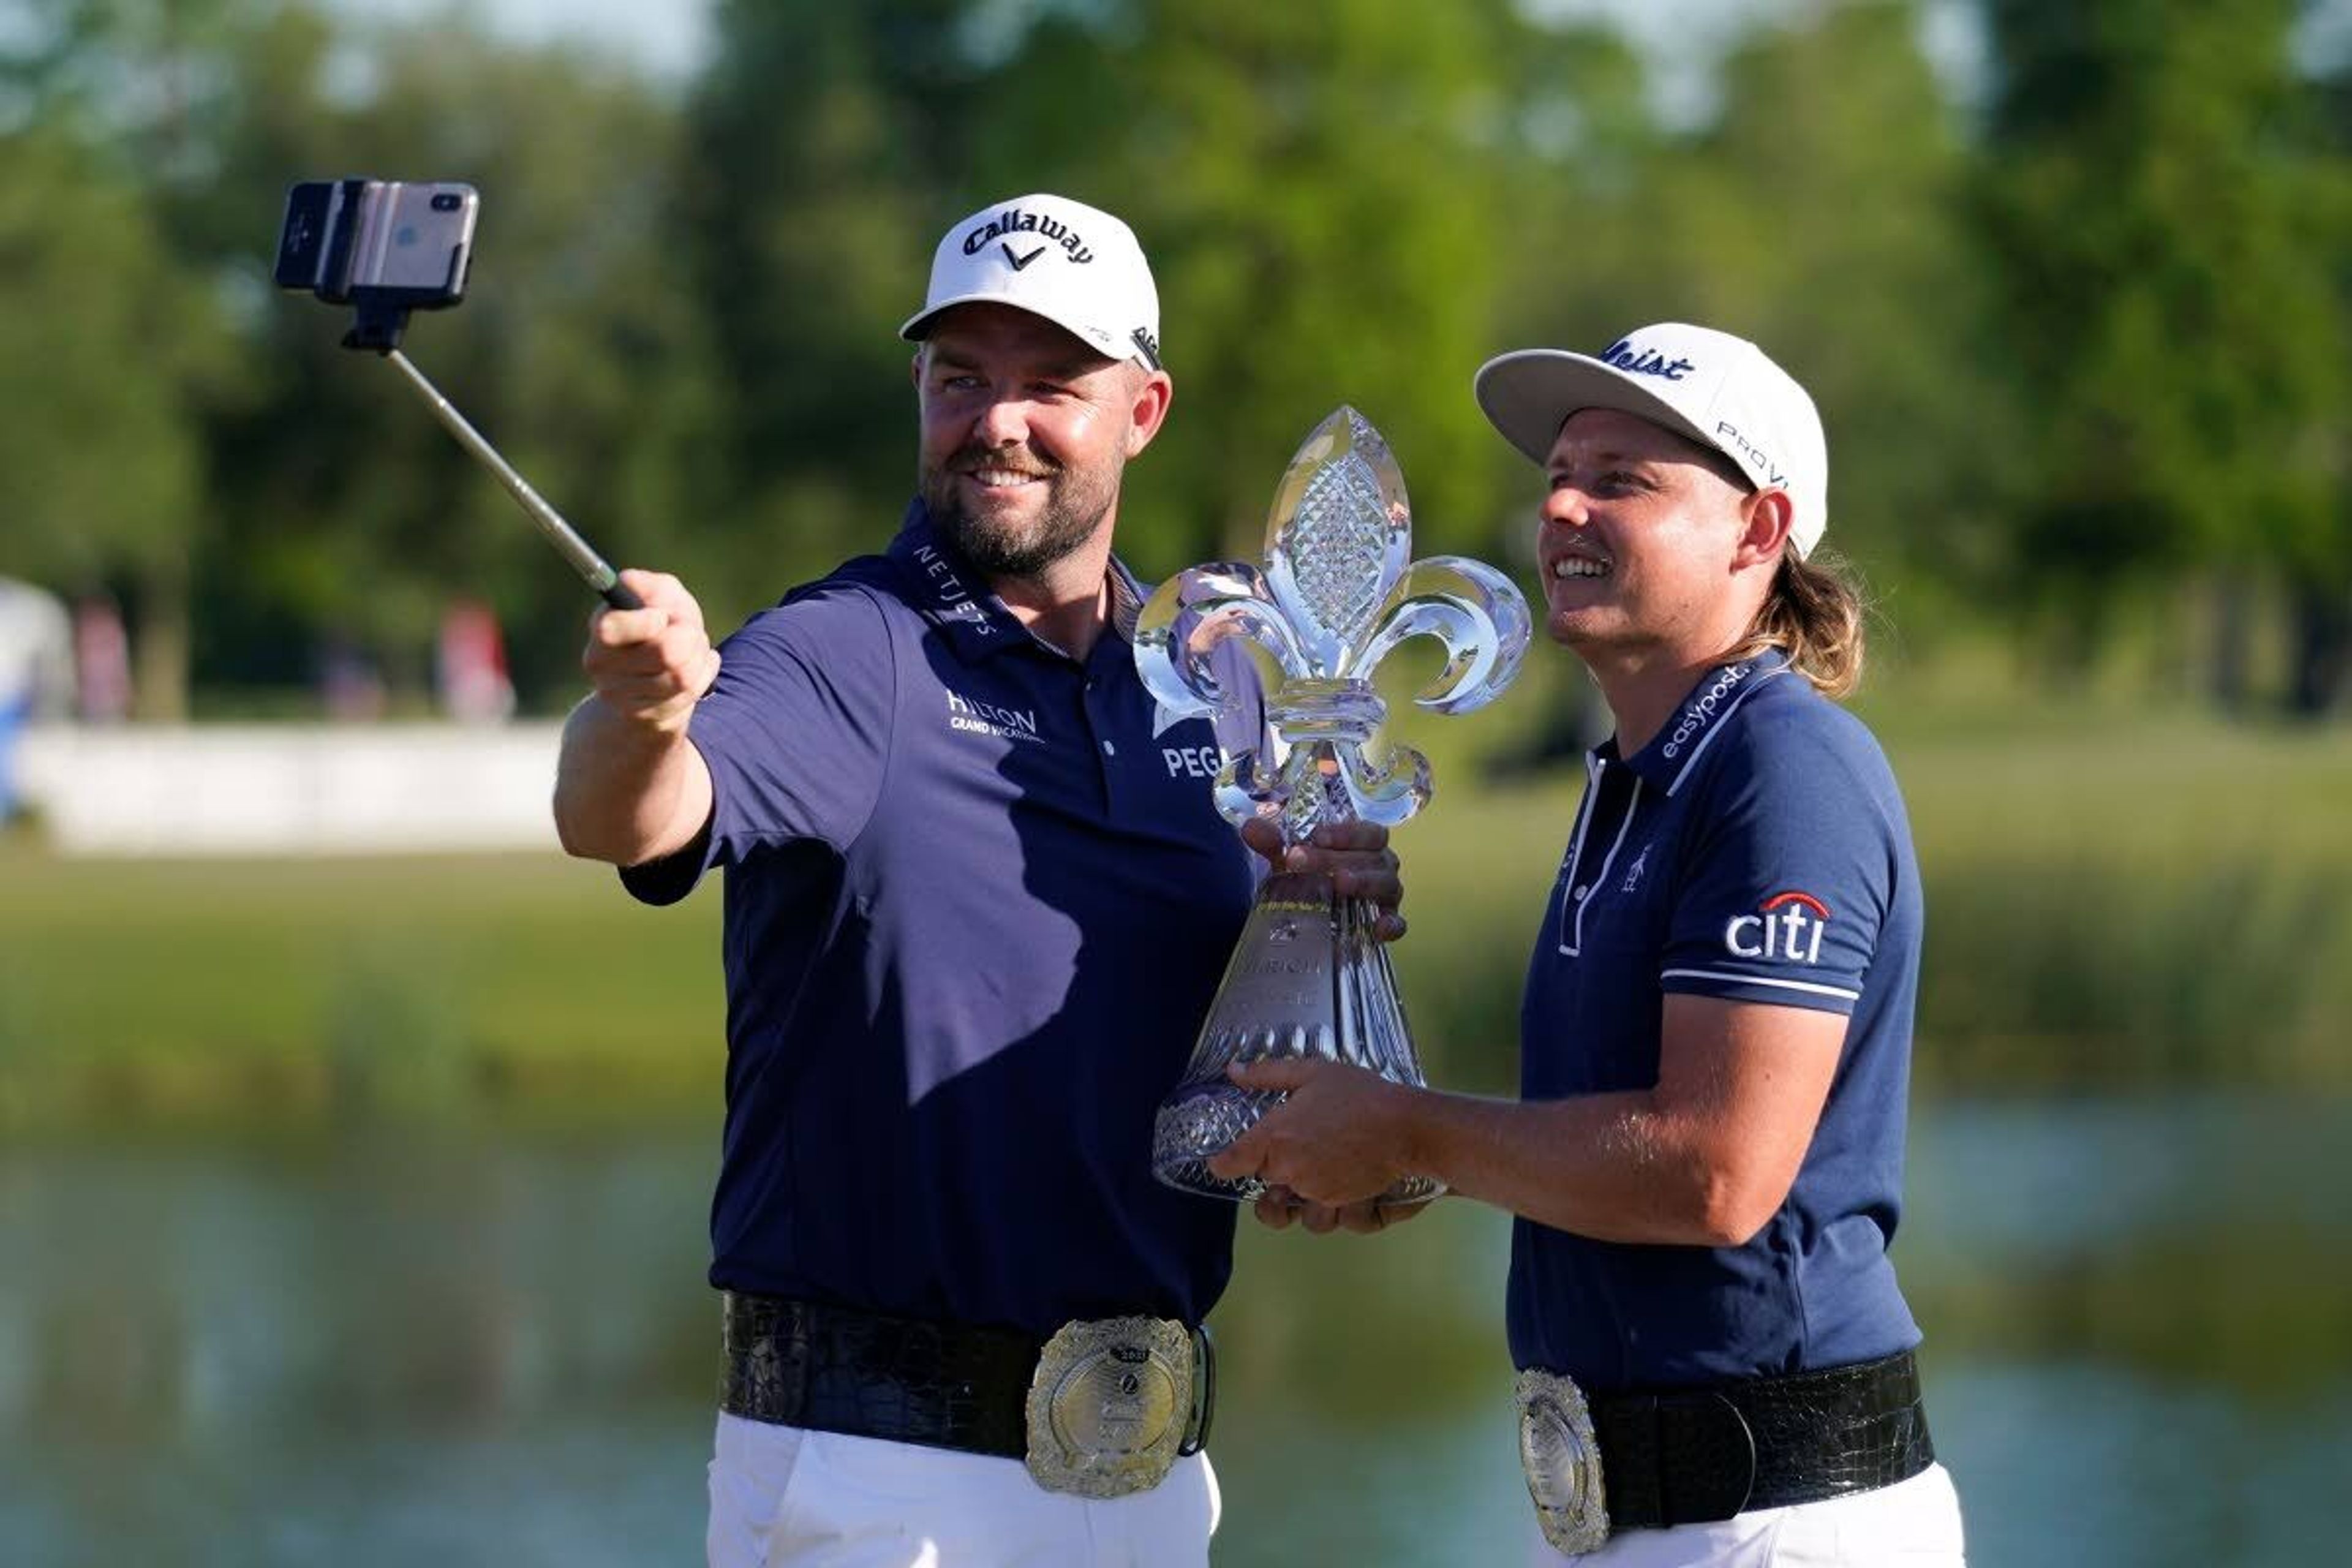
x=1715, y=389
x=1075, y=265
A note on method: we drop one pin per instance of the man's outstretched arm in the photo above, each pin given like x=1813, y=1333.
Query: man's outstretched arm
x=629, y=786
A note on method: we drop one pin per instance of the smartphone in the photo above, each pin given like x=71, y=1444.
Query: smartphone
x=406, y=243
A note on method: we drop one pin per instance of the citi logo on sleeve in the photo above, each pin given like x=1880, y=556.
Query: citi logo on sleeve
x=1787, y=927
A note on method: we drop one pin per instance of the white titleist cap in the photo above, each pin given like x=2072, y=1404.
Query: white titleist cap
x=1718, y=390
x=1075, y=265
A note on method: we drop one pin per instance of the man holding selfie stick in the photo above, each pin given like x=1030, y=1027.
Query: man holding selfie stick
x=977, y=901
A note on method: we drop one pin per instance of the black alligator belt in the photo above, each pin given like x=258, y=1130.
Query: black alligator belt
x=868, y=1374
x=1684, y=1456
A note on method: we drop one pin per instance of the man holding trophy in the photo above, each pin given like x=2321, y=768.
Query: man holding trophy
x=977, y=900
x=1715, y=1362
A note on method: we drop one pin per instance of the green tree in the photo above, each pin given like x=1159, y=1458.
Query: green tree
x=2321, y=654
x=579, y=352
x=110, y=382
x=2167, y=238
x=290, y=490
x=1321, y=189
x=1821, y=211
x=102, y=462
x=826, y=143
x=1816, y=206
x=1325, y=194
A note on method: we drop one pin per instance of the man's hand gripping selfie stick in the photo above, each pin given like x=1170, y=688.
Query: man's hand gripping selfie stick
x=592, y=568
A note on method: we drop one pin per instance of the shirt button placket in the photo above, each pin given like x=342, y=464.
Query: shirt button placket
x=1107, y=749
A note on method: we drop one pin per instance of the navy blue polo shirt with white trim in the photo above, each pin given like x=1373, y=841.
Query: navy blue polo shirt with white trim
x=1756, y=849
x=977, y=901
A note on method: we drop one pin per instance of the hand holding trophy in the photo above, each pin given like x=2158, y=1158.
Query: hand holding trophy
x=1339, y=589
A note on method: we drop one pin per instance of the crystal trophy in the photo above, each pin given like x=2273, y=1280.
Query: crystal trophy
x=1339, y=590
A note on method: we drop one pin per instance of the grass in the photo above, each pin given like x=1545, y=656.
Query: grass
x=2118, y=902
x=268, y=987
x=2137, y=903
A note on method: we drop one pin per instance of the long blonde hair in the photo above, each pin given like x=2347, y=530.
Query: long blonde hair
x=1814, y=615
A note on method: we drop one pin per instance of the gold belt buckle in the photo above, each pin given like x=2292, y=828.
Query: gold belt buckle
x=1110, y=1406
x=1562, y=1459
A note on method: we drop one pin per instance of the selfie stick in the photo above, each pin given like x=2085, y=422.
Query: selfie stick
x=379, y=328
x=591, y=568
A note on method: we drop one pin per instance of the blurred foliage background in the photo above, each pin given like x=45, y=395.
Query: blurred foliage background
x=350, y=1210
x=2071, y=297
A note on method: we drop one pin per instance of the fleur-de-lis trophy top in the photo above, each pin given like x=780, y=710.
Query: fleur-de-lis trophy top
x=1340, y=589
x=1339, y=592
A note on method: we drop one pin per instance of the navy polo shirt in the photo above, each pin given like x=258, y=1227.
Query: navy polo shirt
x=977, y=901
x=1756, y=849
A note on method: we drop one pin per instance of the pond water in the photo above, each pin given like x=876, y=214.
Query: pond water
x=494, y=1347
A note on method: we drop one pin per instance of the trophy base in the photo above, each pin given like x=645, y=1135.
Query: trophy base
x=1201, y=1121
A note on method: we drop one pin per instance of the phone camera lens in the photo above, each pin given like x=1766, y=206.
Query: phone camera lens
x=446, y=202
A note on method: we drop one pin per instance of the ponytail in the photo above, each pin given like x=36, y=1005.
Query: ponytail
x=1815, y=616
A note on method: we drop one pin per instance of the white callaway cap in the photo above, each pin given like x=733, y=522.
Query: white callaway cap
x=1718, y=390
x=1075, y=265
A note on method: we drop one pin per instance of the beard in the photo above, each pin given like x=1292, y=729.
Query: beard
x=1075, y=504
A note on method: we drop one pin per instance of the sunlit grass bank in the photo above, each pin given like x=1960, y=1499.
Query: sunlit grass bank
x=264, y=989
x=2110, y=906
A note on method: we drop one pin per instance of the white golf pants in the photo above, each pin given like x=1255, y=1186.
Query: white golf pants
x=782, y=1496
x=1915, y=1523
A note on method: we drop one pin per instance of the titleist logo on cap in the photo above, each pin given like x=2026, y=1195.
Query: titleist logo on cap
x=1626, y=357
x=1012, y=220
